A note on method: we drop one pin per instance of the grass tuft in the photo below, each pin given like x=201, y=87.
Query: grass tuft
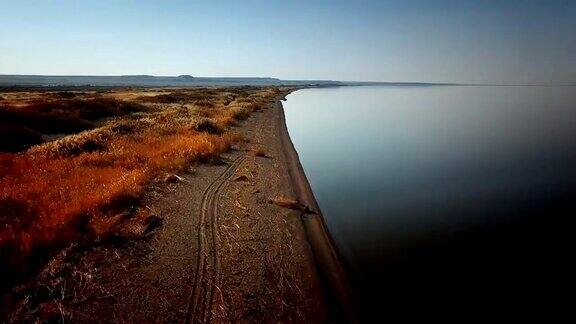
x=208, y=126
x=240, y=113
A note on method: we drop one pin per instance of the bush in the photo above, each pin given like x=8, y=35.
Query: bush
x=90, y=141
x=43, y=122
x=24, y=126
x=240, y=113
x=204, y=103
x=91, y=109
x=14, y=138
x=208, y=126
x=175, y=97
x=64, y=95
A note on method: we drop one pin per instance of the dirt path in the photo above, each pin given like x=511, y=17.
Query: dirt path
x=205, y=283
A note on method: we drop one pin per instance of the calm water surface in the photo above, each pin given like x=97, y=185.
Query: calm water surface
x=444, y=200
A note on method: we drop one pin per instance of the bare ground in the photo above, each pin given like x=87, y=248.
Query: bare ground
x=223, y=254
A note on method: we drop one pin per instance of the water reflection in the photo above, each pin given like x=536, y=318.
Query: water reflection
x=443, y=199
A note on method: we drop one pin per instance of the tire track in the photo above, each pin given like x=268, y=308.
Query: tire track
x=200, y=311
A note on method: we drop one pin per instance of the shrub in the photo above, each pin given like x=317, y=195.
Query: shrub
x=204, y=103
x=163, y=98
x=43, y=122
x=14, y=138
x=91, y=109
x=240, y=113
x=64, y=95
x=205, y=112
x=208, y=126
x=89, y=141
x=174, y=97
x=28, y=123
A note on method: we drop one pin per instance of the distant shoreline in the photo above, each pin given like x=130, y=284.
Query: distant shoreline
x=78, y=82
x=46, y=81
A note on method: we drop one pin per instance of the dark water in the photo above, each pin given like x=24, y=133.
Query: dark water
x=446, y=202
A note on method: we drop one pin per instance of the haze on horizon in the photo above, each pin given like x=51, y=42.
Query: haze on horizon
x=430, y=41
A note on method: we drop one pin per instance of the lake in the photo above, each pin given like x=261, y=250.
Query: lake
x=444, y=201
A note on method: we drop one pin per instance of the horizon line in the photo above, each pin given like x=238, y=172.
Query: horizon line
x=570, y=83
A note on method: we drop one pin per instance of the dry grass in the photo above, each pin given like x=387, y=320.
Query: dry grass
x=69, y=189
x=208, y=126
x=240, y=113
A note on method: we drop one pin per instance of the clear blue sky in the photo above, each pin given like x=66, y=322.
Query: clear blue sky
x=442, y=41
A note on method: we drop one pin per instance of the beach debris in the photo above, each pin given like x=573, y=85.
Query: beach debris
x=260, y=153
x=140, y=227
x=172, y=178
x=286, y=202
x=153, y=223
x=242, y=178
x=292, y=204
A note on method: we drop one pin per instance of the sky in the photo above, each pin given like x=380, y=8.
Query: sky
x=484, y=41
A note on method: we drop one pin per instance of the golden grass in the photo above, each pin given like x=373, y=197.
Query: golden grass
x=51, y=194
x=55, y=191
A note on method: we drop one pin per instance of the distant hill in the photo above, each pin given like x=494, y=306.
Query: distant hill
x=7, y=80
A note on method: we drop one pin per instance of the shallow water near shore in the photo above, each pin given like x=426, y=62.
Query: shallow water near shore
x=443, y=199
